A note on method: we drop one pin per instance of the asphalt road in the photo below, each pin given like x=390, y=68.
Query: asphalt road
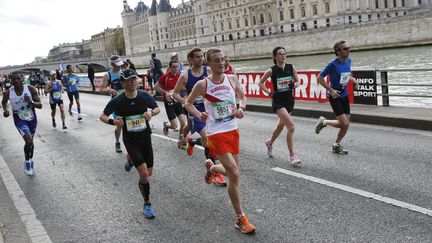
x=81, y=193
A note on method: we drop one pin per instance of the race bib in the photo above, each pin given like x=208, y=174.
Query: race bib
x=73, y=81
x=57, y=95
x=135, y=123
x=26, y=114
x=283, y=83
x=223, y=111
x=345, y=77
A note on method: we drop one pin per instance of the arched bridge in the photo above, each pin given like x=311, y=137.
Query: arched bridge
x=80, y=65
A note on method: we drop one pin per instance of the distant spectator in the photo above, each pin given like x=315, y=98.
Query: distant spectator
x=91, y=75
x=150, y=79
x=131, y=64
x=156, y=68
x=175, y=58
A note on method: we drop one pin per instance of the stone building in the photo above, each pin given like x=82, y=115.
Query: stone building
x=100, y=43
x=65, y=51
x=201, y=22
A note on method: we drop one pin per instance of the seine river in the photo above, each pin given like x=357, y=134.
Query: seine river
x=395, y=58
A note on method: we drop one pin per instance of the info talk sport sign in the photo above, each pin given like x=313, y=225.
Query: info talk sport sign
x=310, y=90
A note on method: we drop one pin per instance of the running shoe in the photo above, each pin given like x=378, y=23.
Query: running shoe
x=27, y=168
x=219, y=180
x=190, y=148
x=128, y=165
x=118, y=148
x=79, y=117
x=54, y=124
x=320, y=125
x=70, y=112
x=176, y=129
x=148, y=211
x=244, y=226
x=337, y=148
x=295, y=161
x=269, y=148
x=165, y=128
x=64, y=126
x=209, y=176
x=32, y=164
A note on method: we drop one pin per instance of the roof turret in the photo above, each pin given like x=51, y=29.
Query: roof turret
x=164, y=6
x=153, y=8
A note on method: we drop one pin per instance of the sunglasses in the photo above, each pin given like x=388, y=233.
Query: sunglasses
x=281, y=53
x=346, y=49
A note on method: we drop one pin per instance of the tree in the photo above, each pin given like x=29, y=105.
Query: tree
x=117, y=42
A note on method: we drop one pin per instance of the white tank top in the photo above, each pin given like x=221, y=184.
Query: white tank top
x=19, y=106
x=220, y=103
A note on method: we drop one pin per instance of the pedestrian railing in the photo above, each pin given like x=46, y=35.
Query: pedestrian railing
x=385, y=84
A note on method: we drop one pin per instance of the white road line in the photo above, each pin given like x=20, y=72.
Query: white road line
x=33, y=226
x=174, y=140
x=359, y=192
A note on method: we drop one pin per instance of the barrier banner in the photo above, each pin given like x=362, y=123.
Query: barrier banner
x=367, y=91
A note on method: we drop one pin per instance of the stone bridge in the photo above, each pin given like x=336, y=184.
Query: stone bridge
x=79, y=65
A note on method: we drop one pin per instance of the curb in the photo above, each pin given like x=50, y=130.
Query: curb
x=400, y=122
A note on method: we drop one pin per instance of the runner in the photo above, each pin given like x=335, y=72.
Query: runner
x=284, y=79
x=70, y=81
x=112, y=85
x=23, y=99
x=173, y=109
x=219, y=92
x=186, y=82
x=132, y=108
x=54, y=89
x=339, y=70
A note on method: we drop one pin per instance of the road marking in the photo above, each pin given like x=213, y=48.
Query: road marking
x=33, y=226
x=359, y=192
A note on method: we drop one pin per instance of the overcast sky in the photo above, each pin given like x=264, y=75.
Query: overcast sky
x=30, y=28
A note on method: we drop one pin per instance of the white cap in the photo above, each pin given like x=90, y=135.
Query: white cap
x=52, y=72
x=173, y=54
x=118, y=62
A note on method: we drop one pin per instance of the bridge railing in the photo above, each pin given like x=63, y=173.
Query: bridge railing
x=385, y=92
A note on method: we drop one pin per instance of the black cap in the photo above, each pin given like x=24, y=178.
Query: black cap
x=128, y=74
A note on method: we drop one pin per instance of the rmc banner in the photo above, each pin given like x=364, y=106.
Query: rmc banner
x=310, y=90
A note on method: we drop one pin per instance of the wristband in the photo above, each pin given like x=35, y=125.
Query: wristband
x=153, y=114
x=243, y=108
x=111, y=122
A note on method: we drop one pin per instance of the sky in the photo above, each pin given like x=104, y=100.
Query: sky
x=30, y=28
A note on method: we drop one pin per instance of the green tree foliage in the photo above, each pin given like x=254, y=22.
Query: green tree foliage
x=117, y=42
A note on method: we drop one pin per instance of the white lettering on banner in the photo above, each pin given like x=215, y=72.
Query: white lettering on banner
x=316, y=90
x=364, y=94
x=243, y=81
x=367, y=88
x=254, y=89
x=301, y=89
x=365, y=80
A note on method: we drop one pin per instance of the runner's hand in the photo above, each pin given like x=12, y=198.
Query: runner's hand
x=334, y=93
x=239, y=113
x=119, y=121
x=27, y=98
x=148, y=115
x=203, y=116
x=6, y=113
x=112, y=92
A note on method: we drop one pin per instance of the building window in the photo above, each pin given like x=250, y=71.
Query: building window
x=238, y=35
x=229, y=25
x=280, y=3
x=246, y=23
x=315, y=24
x=270, y=30
x=202, y=31
x=281, y=29
x=292, y=28
x=314, y=9
x=378, y=16
x=254, y=20
x=281, y=15
x=228, y=4
x=385, y=4
x=369, y=17
x=349, y=19
x=223, y=38
x=247, y=34
x=359, y=18
x=292, y=13
x=199, y=7
x=419, y=2
x=261, y=18
x=215, y=38
x=376, y=4
x=270, y=18
x=327, y=7
x=214, y=28
x=262, y=32
x=201, y=21
x=303, y=26
x=394, y=3
x=303, y=12
x=328, y=22
x=222, y=29
x=403, y=3
x=254, y=33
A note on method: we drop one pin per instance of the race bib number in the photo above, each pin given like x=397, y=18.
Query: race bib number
x=73, y=81
x=135, y=123
x=283, y=83
x=223, y=111
x=57, y=95
x=26, y=114
x=345, y=77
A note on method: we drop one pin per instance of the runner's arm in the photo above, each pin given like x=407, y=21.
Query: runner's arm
x=5, y=103
x=334, y=93
x=180, y=85
x=48, y=88
x=240, y=95
x=198, y=89
x=36, y=101
x=295, y=77
x=267, y=74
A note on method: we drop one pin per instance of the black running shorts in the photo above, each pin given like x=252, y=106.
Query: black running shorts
x=173, y=109
x=53, y=106
x=287, y=103
x=140, y=150
x=340, y=106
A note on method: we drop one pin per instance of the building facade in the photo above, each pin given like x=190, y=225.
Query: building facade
x=200, y=22
x=100, y=43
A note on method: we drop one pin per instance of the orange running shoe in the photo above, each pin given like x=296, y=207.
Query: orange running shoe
x=219, y=180
x=209, y=176
x=244, y=226
x=190, y=148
